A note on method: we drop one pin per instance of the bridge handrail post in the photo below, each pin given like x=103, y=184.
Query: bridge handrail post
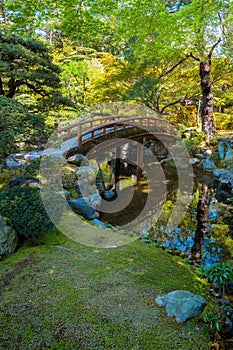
x=55, y=125
x=86, y=127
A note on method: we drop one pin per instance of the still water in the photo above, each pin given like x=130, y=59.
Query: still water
x=206, y=226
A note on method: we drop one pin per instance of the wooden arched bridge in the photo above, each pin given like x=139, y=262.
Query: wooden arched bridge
x=117, y=129
x=97, y=127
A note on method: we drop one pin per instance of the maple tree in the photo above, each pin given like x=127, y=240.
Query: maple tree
x=192, y=31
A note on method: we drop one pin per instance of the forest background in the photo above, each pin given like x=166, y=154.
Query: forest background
x=62, y=60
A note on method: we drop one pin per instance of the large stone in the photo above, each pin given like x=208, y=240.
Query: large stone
x=208, y=163
x=86, y=172
x=224, y=176
x=33, y=155
x=157, y=148
x=221, y=149
x=25, y=182
x=194, y=161
x=64, y=193
x=21, y=159
x=99, y=223
x=13, y=162
x=182, y=304
x=80, y=206
x=8, y=238
x=94, y=200
x=229, y=153
x=225, y=147
x=86, y=180
x=83, y=188
x=79, y=160
x=108, y=194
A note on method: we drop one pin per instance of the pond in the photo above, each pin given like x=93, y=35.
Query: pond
x=205, y=229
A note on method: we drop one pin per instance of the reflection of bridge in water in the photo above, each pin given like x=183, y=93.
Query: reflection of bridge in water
x=139, y=214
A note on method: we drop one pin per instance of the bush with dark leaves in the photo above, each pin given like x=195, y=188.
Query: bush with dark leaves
x=25, y=212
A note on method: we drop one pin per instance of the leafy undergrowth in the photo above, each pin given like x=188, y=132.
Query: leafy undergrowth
x=62, y=295
x=5, y=177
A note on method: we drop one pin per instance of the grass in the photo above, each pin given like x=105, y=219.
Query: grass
x=63, y=295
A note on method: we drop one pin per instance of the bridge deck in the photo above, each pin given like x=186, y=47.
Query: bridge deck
x=90, y=129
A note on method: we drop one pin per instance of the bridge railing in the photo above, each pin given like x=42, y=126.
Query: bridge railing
x=86, y=130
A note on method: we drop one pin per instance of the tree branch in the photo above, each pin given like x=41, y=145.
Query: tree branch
x=170, y=104
x=195, y=57
x=146, y=103
x=220, y=20
x=213, y=47
x=33, y=88
x=175, y=65
x=158, y=98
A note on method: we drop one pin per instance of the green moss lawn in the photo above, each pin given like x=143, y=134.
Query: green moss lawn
x=62, y=295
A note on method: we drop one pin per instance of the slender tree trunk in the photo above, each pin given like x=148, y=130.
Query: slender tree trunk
x=50, y=36
x=202, y=224
x=1, y=88
x=3, y=12
x=207, y=100
x=84, y=88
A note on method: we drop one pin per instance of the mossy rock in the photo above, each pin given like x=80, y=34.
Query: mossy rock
x=8, y=238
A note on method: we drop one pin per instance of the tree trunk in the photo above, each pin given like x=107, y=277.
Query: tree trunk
x=3, y=12
x=1, y=88
x=202, y=224
x=12, y=86
x=207, y=101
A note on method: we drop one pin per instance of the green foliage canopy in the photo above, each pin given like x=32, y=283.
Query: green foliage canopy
x=161, y=33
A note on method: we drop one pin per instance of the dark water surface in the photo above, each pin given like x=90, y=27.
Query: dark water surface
x=210, y=202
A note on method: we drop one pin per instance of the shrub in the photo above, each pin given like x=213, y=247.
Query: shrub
x=194, y=141
x=69, y=179
x=31, y=169
x=19, y=129
x=220, y=319
x=24, y=209
x=220, y=274
x=223, y=121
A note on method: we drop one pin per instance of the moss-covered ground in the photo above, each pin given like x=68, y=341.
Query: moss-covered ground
x=62, y=295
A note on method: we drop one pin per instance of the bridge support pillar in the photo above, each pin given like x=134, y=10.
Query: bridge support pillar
x=79, y=136
x=117, y=165
x=139, y=160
